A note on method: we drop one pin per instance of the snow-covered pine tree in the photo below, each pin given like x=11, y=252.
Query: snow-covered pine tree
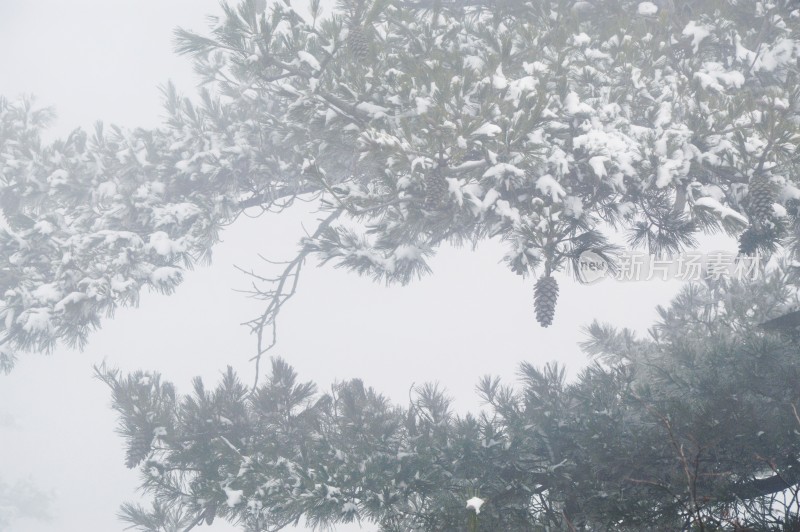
x=695, y=427
x=553, y=124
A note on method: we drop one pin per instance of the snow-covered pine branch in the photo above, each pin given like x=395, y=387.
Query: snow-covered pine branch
x=532, y=121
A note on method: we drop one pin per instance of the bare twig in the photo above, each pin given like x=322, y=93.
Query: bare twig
x=284, y=287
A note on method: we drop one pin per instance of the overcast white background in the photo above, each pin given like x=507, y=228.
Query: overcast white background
x=100, y=59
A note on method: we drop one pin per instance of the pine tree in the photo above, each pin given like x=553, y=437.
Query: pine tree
x=658, y=433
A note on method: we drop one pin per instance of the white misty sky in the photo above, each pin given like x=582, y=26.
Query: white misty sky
x=96, y=59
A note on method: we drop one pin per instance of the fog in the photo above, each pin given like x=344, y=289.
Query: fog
x=100, y=60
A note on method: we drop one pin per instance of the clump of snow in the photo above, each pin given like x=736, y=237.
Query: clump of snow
x=175, y=213
x=581, y=39
x=408, y=253
x=501, y=169
x=776, y=56
x=166, y=276
x=44, y=227
x=536, y=66
x=71, y=298
x=423, y=104
x=58, y=177
x=518, y=86
x=376, y=111
x=349, y=508
x=36, y=320
x=574, y=106
x=559, y=159
x=669, y=170
x=664, y=115
x=790, y=192
x=475, y=503
x=778, y=210
x=454, y=188
x=647, y=8
x=482, y=205
x=488, y=129
x=499, y=80
x=330, y=115
x=619, y=148
x=473, y=62
x=548, y=186
x=598, y=165
x=573, y=207
x=698, y=32
x=234, y=497
x=714, y=75
x=309, y=59
x=595, y=55
x=106, y=189
x=47, y=293
x=719, y=209
x=184, y=166
x=161, y=243
x=505, y=210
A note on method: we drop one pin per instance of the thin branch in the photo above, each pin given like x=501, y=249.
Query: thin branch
x=277, y=295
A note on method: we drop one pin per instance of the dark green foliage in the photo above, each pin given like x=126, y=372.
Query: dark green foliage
x=695, y=427
x=749, y=242
x=763, y=240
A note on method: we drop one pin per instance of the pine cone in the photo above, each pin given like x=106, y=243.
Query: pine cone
x=436, y=190
x=748, y=242
x=760, y=197
x=762, y=238
x=357, y=43
x=545, y=296
x=210, y=513
x=138, y=449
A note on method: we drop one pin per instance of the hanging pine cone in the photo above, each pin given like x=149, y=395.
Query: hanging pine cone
x=357, y=43
x=436, y=189
x=748, y=242
x=760, y=197
x=762, y=238
x=545, y=296
x=138, y=449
